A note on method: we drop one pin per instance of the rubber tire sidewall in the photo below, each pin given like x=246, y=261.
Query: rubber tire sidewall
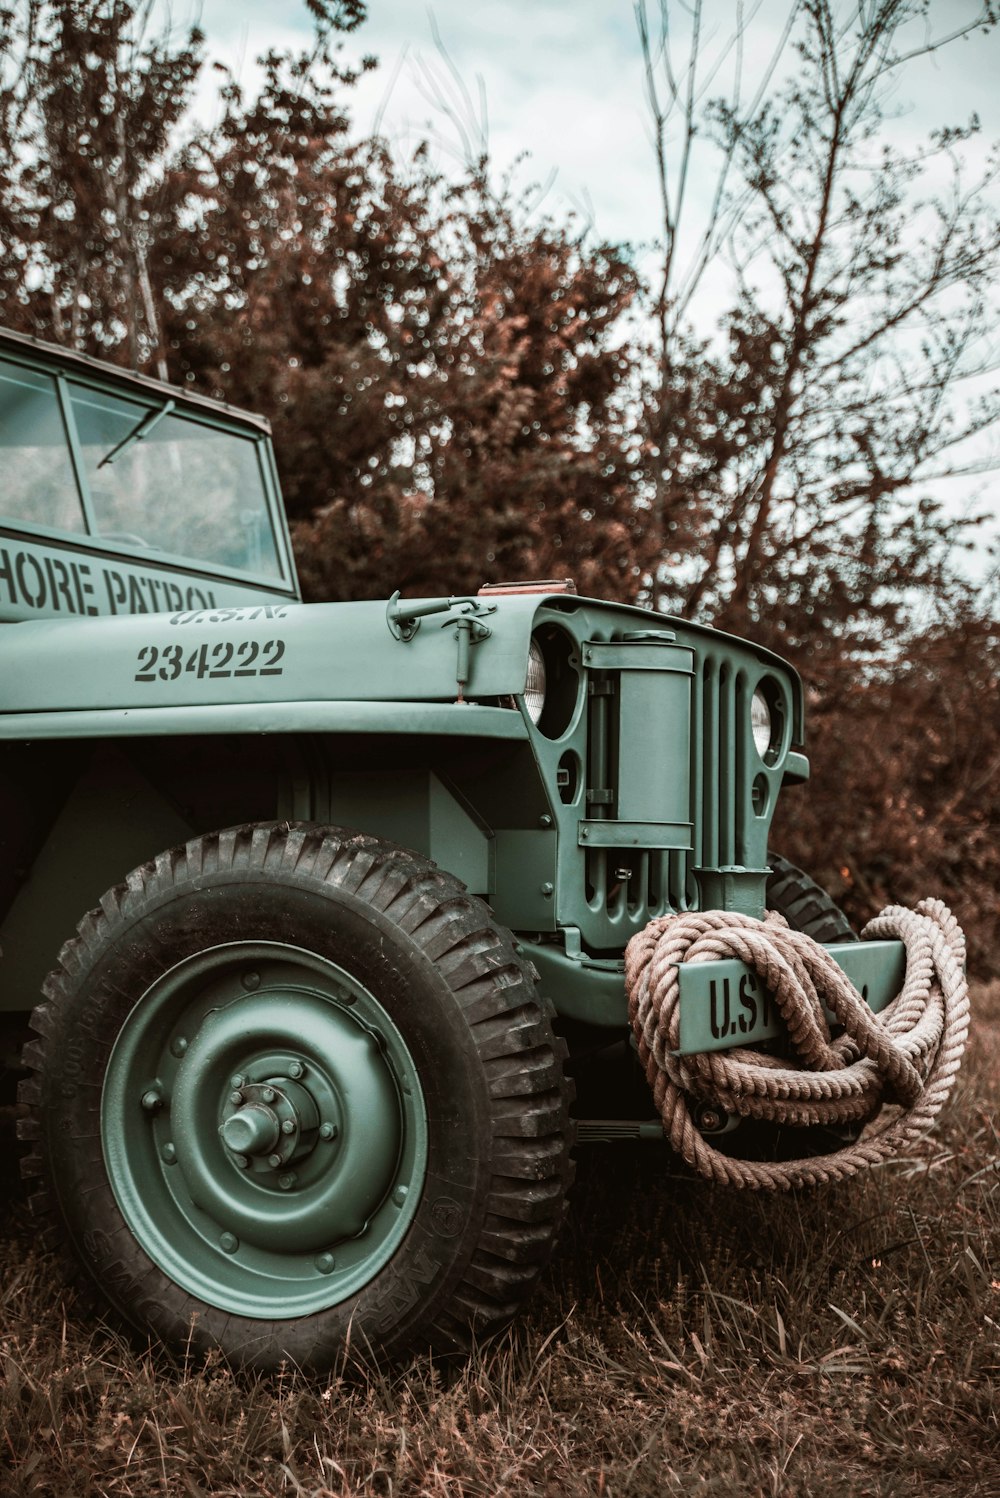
x=404, y=1296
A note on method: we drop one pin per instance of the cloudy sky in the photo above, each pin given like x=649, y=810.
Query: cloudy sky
x=562, y=81
x=556, y=90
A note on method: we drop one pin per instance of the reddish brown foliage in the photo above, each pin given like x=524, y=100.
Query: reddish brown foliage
x=904, y=800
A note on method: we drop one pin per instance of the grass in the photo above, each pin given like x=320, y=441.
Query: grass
x=687, y=1340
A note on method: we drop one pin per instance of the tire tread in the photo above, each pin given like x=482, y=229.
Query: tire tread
x=805, y=904
x=530, y=1166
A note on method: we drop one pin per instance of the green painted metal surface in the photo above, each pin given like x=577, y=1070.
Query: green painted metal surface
x=588, y=989
x=264, y=1129
x=796, y=769
x=40, y=577
x=416, y=809
x=374, y=718
x=259, y=653
x=658, y=795
x=557, y=841
x=523, y=895
x=723, y=1004
x=737, y=889
x=112, y=820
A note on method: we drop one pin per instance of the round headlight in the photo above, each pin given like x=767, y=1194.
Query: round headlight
x=534, y=687
x=760, y=723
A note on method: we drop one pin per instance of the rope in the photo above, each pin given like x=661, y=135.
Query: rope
x=894, y=1069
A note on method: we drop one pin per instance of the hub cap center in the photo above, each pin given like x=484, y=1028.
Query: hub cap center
x=273, y=1121
x=253, y=1130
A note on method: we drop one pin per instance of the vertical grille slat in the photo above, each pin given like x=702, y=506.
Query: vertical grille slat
x=727, y=767
x=717, y=727
x=709, y=799
x=740, y=808
x=595, y=859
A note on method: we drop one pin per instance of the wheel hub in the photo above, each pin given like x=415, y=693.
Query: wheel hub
x=267, y=1125
x=264, y=1129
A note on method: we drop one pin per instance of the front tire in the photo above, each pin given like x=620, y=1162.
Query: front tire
x=805, y=904
x=294, y=1090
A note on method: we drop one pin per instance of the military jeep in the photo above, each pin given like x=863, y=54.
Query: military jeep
x=350, y=886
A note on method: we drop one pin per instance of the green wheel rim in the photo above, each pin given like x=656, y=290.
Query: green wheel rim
x=264, y=1129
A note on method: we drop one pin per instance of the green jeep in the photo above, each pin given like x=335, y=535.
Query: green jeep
x=351, y=886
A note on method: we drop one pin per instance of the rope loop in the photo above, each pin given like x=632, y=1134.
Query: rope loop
x=892, y=1071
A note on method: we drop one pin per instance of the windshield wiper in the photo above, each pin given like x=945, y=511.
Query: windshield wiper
x=142, y=429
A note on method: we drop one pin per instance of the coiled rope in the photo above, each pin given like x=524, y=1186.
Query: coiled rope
x=893, y=1069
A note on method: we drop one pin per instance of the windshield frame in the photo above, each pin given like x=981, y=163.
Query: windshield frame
x=71, y=371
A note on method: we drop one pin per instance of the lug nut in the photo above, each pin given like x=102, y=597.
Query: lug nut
x=242, y=1161
x=286, y=1182
x=229, y=1243
x=326, y=1263
x=152, y=1100
x=238, y=1081
x=251, y=981
x=267, y=1096
x=328, y=1131
x=236, y=1097
x=399, y=1195
x=178, y=1047
x=296, y=1069
x=288, y=1127
x=274, y=1161
x=168, y=1154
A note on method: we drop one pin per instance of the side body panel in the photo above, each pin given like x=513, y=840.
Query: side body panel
x=83, y=812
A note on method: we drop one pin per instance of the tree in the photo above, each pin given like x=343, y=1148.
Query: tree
x=866, y=280
x=689, y=439
x=904, y=798
x=448, y=401
x=521, y=462
x=88, y=110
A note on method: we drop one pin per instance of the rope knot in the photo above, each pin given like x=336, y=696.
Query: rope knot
x=892, y=1071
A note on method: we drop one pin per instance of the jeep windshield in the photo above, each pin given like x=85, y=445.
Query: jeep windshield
x=136, y=470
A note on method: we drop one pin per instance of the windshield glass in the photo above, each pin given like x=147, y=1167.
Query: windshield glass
x=174, y=484
x=38, y=483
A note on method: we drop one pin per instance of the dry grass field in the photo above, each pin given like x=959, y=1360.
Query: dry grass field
x=687, y=1341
